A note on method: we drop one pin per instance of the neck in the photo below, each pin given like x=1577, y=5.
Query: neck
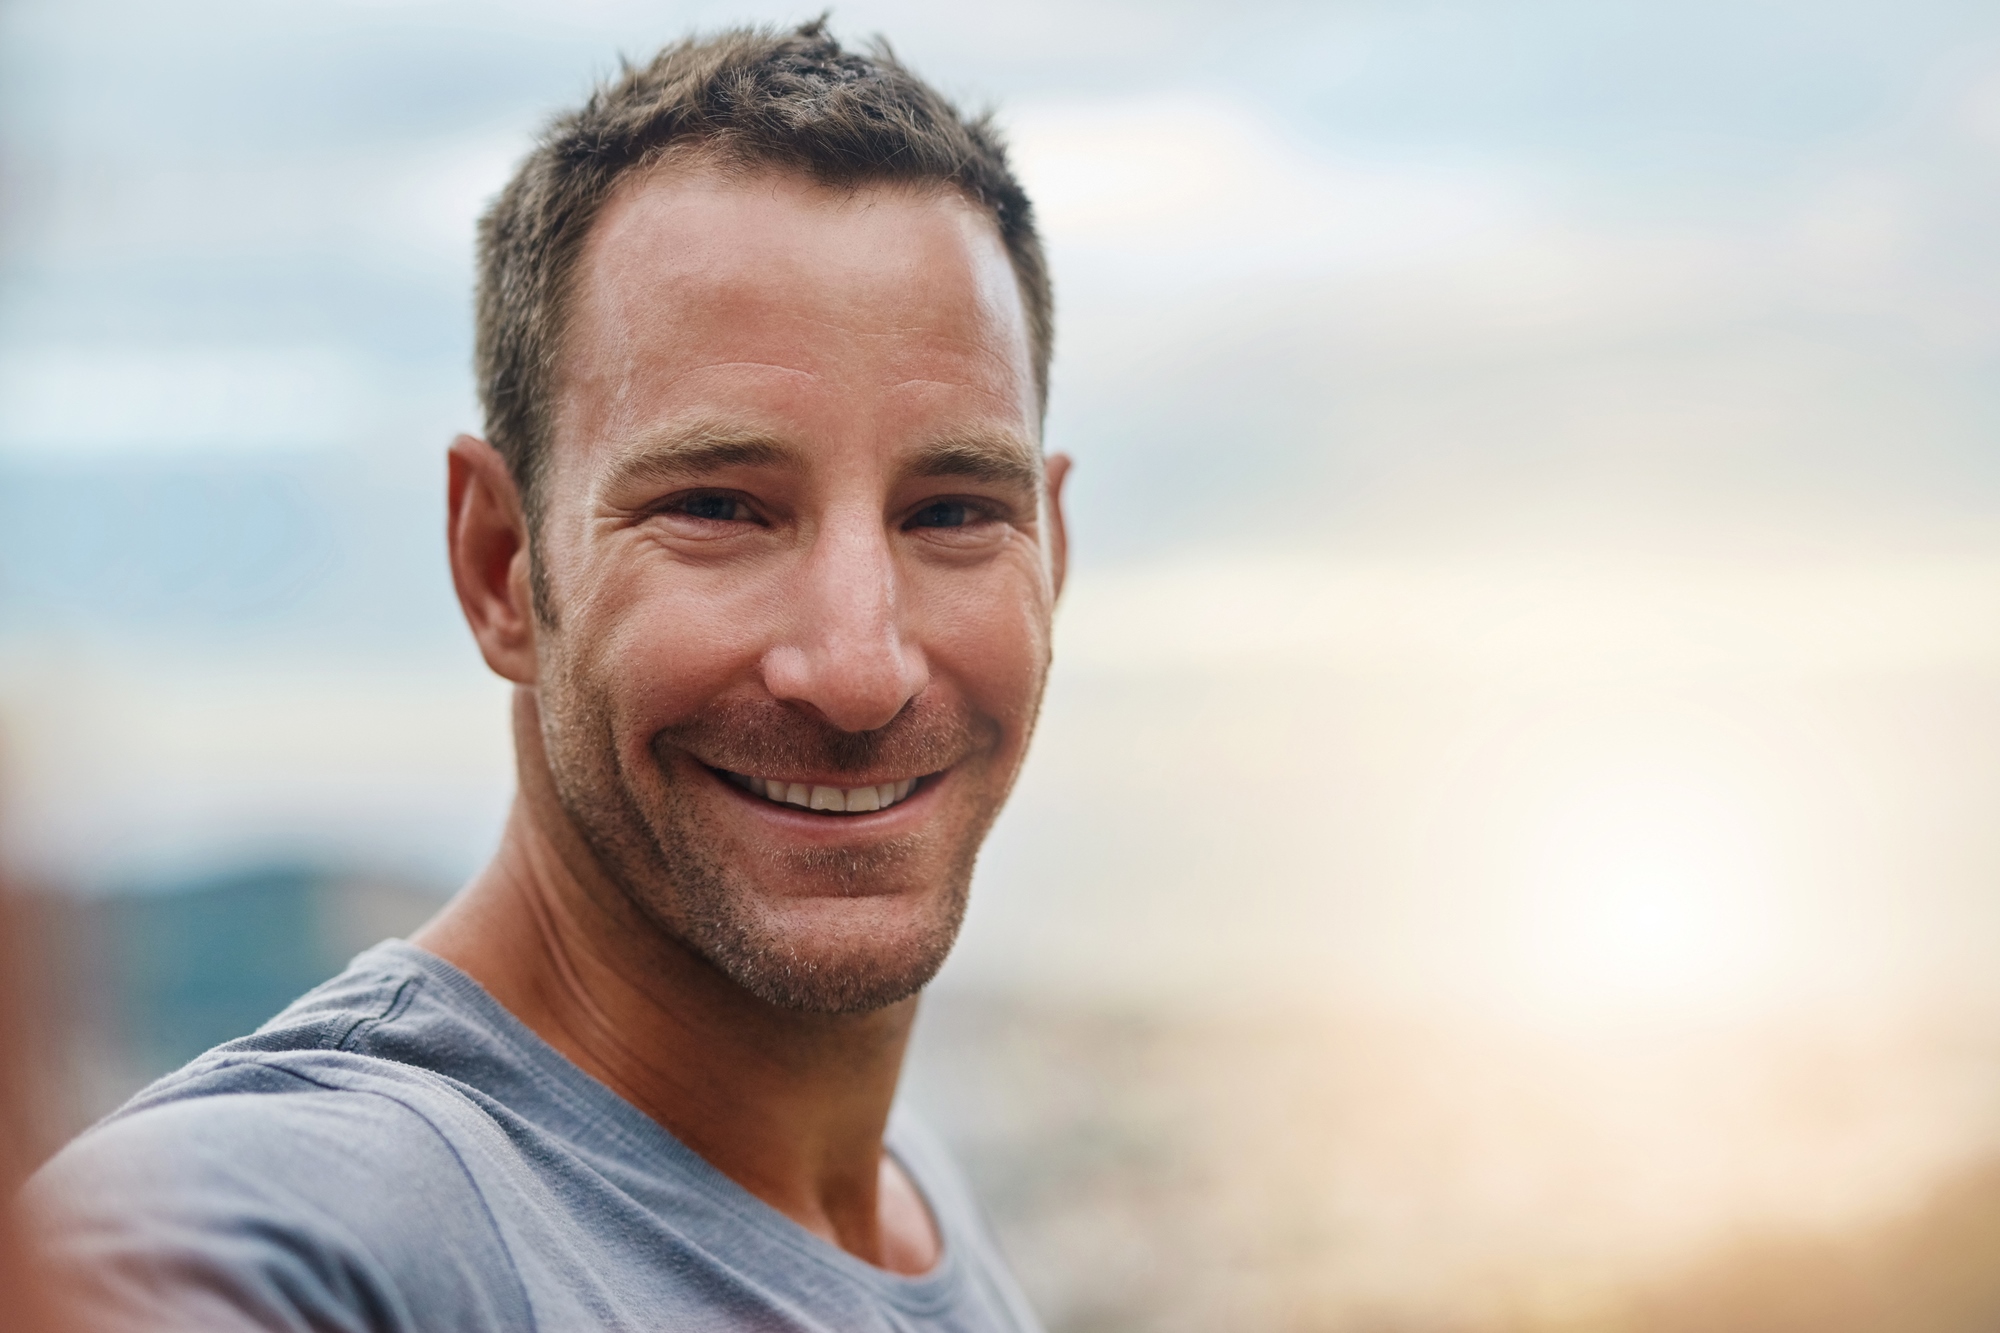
x=791, y=1106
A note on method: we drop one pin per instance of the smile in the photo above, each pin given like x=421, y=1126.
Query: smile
x=831, y=800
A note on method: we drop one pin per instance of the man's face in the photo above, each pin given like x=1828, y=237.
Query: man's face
x=800, y=553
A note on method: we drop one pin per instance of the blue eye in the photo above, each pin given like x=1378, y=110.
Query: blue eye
x=942, y=514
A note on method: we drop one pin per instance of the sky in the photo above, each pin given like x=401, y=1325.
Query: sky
x=1536, y=522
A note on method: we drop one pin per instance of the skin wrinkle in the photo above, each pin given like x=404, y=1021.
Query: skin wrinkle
x=569, y=975
x=753, y=365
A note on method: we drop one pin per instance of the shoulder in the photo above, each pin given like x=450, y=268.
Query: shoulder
x=327, y=1123
x=280, y=1190
x=302, y=1109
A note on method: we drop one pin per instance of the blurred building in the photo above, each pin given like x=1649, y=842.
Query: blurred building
x=151, y=975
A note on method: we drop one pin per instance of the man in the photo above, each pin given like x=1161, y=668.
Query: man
x=763, y=535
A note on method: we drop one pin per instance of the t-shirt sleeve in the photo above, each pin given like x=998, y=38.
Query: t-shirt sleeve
x=314, y=1210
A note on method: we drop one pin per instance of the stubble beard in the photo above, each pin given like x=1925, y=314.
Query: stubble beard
x=854, y=952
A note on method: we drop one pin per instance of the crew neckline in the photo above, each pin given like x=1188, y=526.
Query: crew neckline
x=597, y=1106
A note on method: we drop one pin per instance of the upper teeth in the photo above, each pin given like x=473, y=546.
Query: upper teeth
x=847, y=799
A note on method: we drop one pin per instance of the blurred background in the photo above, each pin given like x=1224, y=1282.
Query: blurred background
x=1512, y=846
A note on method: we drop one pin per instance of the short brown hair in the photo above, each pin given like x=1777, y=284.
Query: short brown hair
x=796, y=100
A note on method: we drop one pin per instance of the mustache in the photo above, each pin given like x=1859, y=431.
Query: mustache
x=768, y=738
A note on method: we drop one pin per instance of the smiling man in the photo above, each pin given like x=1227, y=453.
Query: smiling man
x=763, y=536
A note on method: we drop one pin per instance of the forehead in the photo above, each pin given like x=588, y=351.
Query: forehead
x=802, y=308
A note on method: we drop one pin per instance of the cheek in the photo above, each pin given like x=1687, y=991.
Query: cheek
x=993, y=643
x=665, y=641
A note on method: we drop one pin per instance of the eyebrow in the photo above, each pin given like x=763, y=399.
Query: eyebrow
x=681, y=453
x=1001, y=459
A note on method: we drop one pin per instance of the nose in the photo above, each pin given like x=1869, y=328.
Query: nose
x=847, y=655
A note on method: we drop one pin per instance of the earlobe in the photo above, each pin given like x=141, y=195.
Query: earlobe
x=486, y=534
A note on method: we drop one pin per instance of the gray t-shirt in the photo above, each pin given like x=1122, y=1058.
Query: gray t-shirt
x=396, y=1151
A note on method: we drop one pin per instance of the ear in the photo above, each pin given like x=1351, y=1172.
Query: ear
x=1056, y=468
x=486, y=531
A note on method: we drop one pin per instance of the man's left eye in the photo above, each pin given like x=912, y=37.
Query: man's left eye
x=944, y=514
x=716, y=508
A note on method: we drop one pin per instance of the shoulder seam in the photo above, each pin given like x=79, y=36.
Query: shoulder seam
x=397, y=1003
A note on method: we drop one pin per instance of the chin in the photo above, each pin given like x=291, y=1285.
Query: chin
x=834, y=955
x=803, y=910
x=828, y=929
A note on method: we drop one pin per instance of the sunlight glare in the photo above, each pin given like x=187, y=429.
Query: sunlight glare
x=1652, y=890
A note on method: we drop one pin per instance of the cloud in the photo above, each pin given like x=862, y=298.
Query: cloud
x=99, y=399
x=1552, y=621
x=1200, y=187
